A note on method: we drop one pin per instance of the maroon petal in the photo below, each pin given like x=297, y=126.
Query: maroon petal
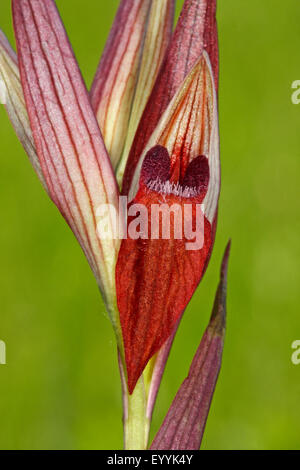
x=183, y=427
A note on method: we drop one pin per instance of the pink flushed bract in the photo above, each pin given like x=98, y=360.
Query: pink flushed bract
x=184, y=424
x=69, y=145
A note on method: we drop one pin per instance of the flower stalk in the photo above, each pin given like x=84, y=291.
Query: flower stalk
x=136, y=419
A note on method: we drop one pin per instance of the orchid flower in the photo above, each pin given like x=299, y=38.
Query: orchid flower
x=145, y=136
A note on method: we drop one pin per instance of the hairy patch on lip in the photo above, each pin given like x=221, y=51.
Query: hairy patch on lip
x=156, y=171
x=167, y=187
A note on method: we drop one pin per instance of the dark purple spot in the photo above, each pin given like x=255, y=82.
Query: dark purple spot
x=156, y=165
x=197, y=175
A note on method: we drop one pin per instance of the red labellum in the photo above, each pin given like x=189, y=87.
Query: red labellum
x=170, y=226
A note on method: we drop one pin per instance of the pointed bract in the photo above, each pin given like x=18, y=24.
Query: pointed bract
x=69, y=145
x=128, y=68
x=184, y=424
x=157, y=38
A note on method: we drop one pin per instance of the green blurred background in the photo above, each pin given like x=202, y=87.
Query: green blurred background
x=60, y=388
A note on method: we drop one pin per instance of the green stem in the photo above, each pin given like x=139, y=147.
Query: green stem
x=136, y=423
